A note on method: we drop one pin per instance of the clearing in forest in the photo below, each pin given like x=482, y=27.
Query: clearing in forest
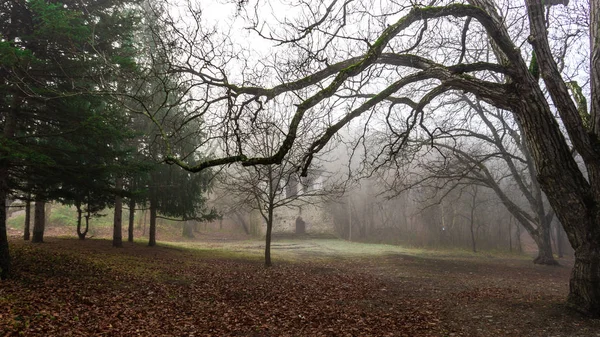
x=215, y=287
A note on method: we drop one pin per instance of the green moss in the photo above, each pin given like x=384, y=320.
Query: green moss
x=581, y=101
x=534, y=67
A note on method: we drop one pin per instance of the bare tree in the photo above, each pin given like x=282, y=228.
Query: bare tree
x=483, y=146
x=330, y=68
x=271, y=187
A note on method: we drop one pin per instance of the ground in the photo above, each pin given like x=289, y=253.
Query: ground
x=216, y=286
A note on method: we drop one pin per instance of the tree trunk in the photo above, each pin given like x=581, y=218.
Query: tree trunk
x=473, y=239
x=559, y=240
x=145, y=222
x=518, y=234
x=9, y=209
x=152, y=230
x=584, y=234
x=118, y=219
x=349, y=221
x=570, y=195
x=87, y=221
x=47, y=213
x=472, y=221
x=27, y=224
x=81, y=234
x=584, y=287
x=4, y=250
x=10, y=124
x=268, y=237
x=545, y=256
x=141, y=219
x=131, y=220
x=510, y=234
x=544, y=242
x=39, y=221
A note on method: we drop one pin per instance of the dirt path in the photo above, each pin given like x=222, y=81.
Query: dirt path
x=66, y=287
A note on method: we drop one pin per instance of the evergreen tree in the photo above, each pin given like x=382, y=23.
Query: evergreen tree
x=55, y=58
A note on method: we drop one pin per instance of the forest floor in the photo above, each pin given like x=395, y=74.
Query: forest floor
x=218, y=287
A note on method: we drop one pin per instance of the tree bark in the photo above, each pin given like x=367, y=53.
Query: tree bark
x=472, y=219
x=473, y=238
x=131, y=220
x=152, y=229
x=10, y=124
x=81, y=234
x=118, y=219
x=584, y=287
x=268, y=237
x=569, y=193
x=27, y=224
x=4, y=250
x=544, y=244
x=39, y=221
x=510, y=234
x=559, y=240
x=595, y=65
x=519, y=243
x=47, y=212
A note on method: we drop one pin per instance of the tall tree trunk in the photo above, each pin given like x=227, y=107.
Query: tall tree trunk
x=510, y=234
x=10, y=124
x=559, y=240
x=518, y=234
x=152, y=229
x=4, y=250
x=81, y=234
x=584, y=287
x=544, y=244
x=118, y=219
x=9, y=209
x=570, y=195
x=584, y=236
x=141, y=217
x=268, y=237
x=472, y=220
x=87, y=221
x=47, y=212
x=349, y=220
x=131, y=220
x=145, y=216
x=473, y=238
x=27, y=224
x=39, y=221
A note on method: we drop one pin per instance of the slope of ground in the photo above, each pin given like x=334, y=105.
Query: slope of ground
x=219, y=287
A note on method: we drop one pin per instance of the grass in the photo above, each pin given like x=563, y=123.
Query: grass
x=331, y=249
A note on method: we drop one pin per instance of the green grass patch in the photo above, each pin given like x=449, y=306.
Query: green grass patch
x=327, y=249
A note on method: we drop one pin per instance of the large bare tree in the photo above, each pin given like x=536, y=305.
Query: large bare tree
x=339, y=62
x=482, y=146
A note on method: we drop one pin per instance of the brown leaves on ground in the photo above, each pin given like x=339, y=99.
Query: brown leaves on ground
x=67, y=288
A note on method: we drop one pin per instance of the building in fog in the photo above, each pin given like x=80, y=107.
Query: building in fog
x=306, y=212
